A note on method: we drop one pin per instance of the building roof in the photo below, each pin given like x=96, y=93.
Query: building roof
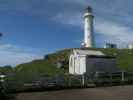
x=87, y=52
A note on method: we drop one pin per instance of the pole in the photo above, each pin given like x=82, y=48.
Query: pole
x=83, y=80
x=123, y=78
x=69, y=82
x=111, y=78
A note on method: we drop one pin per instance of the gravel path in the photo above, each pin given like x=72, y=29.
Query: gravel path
x=108, y=93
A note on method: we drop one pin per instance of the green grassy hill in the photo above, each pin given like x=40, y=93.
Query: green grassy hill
x=48, y=66
x=124, y=57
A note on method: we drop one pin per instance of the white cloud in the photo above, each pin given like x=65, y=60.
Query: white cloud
x=13, y=55
x=115, y=32
x=74, y=19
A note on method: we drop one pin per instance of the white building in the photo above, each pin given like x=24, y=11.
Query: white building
x=77, y=60
x=88, y=29
x=89, y=61
x=110, y=45
x=130, y=46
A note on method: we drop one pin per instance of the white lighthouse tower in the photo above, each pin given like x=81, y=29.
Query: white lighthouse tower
x=88, y=29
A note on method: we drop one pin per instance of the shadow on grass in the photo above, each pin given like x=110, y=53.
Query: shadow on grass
x=7, y=96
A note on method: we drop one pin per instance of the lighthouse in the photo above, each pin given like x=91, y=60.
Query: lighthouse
x=88, y=29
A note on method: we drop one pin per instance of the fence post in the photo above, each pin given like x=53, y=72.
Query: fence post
x=123, y=77
x=83, y=80
x=111, y=78
x=69, y=82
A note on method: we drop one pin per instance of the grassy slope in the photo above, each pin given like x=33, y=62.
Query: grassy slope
x=32, y=70
x=48, y=65
x=124, y=57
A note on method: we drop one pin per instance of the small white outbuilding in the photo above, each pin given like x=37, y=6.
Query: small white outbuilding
x=77, y=60
x=130, y=46
x=87, y=61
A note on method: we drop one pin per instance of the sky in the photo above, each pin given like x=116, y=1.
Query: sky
x=33, y=28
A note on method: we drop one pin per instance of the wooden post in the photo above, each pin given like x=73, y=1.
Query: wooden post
x=123, y=76
x=83, y=80
x=69, y=82
x=111, y=78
